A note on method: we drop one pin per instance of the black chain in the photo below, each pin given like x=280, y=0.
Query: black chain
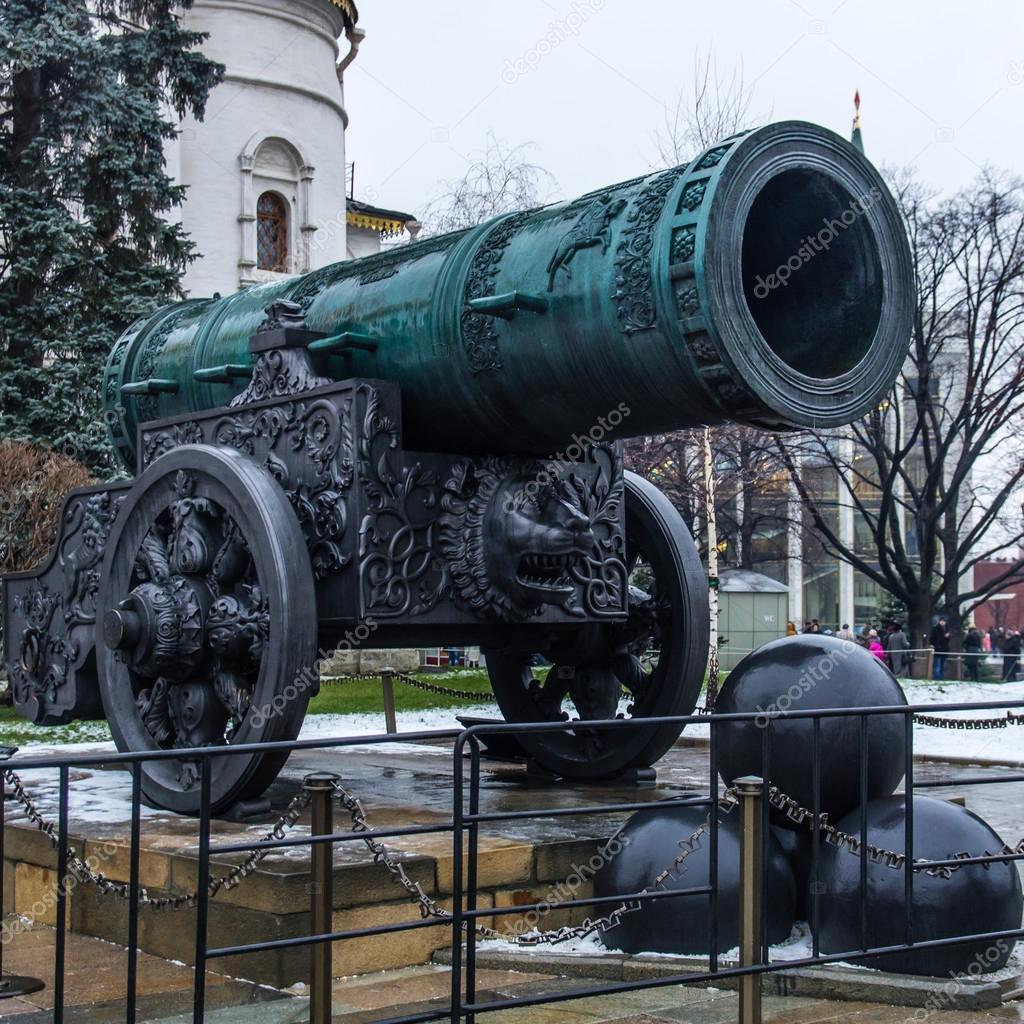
x=441, y=691
x=410, y=680
x=876, y=854
x=429, y=907
x=81, y=871
x=934, y=722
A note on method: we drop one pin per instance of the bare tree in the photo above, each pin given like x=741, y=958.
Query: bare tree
x=673, y=463
x=934, y=474
x=499, y=181
x=713, y=106
x=753, y=495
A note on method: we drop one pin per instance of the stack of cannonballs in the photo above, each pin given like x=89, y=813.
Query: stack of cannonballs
x=778, y=680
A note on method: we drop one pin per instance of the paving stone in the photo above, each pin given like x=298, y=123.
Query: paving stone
x=554, y=918
x=14, y=1007
x=555, y=862
x=95, y=980
x=8, y=881
x=24, y=843
x=35, y=893
x=392, y=949
x=278, y=887
x=880, y=987
x=113, y=858
x=424, y=983
x=499, y=862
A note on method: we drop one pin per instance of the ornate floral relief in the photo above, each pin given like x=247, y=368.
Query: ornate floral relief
x=306, y=445
x=399, y=573
x=634, y=285
x=50, y=645
x=479, y=336
x=279, y=373
x=602, y=573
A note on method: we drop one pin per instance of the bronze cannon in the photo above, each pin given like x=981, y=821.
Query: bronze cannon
x=424, y=446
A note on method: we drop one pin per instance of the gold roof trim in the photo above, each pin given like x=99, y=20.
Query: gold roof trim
x=385, y=225
x=348, y=8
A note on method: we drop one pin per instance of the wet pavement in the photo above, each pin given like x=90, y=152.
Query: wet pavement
x=402, y=784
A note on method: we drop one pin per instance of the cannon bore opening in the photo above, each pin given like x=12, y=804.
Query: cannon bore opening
x=812, y=274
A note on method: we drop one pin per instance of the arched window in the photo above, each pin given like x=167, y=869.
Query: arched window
x=271, y=232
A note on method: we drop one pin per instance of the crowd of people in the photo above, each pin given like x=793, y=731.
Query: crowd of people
x=890, y=645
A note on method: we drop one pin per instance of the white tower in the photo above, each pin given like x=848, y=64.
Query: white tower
x=265, y=169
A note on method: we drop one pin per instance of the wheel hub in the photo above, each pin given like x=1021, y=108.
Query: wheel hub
x=159, y=629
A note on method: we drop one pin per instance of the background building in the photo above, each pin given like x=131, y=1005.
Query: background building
x=265, y=169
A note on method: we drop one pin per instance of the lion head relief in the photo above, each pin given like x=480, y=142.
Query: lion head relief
x=510, y=534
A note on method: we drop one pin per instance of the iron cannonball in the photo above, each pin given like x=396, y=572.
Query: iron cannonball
x=971, y=901
x=804, y=673
x=797, y=846
x=650, y=843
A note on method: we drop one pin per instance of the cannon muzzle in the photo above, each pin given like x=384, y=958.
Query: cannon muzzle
x=767, y=282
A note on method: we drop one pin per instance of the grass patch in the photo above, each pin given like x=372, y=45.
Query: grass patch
x=15, y=731
x=361, y=696
x=364, y=695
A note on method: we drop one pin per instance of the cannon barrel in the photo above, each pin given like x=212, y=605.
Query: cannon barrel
x=767, y=282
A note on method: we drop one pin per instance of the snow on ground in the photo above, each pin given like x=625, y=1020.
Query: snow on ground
x=372, y=723
x=1001, y=745
x=798, y=946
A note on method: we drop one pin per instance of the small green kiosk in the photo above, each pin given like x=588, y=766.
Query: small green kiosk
x=752, y=610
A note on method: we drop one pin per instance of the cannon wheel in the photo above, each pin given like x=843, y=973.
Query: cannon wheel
x=206, y=633
x=658, y=656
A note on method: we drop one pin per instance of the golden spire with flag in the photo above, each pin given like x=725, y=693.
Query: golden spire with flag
x=856, y=138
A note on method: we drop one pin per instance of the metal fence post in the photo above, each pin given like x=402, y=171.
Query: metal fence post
x=751, y=791
x=320, y=786
x=11, y=985
x=387, y=682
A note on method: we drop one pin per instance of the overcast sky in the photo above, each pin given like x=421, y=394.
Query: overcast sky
x=587, y=81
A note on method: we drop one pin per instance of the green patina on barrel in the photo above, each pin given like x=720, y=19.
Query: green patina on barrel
x=767, y=282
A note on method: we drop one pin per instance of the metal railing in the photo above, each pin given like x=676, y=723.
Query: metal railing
x=467, y=823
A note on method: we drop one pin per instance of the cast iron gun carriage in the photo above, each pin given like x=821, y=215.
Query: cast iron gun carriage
x=370, y=446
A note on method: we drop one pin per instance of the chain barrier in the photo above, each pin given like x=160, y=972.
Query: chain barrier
x=359, y=677
x=410, y=680
x=935, y=722
x=430, y=908
x=795, y=812
x=876, y=854
x=708, y=708
x=81, y=871
x=441, y=691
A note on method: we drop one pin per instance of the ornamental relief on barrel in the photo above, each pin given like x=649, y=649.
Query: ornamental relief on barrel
x=479, y=336
x=634, y=285
x=499, y=538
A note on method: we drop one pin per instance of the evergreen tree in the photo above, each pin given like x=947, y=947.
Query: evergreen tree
x=89, y=90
